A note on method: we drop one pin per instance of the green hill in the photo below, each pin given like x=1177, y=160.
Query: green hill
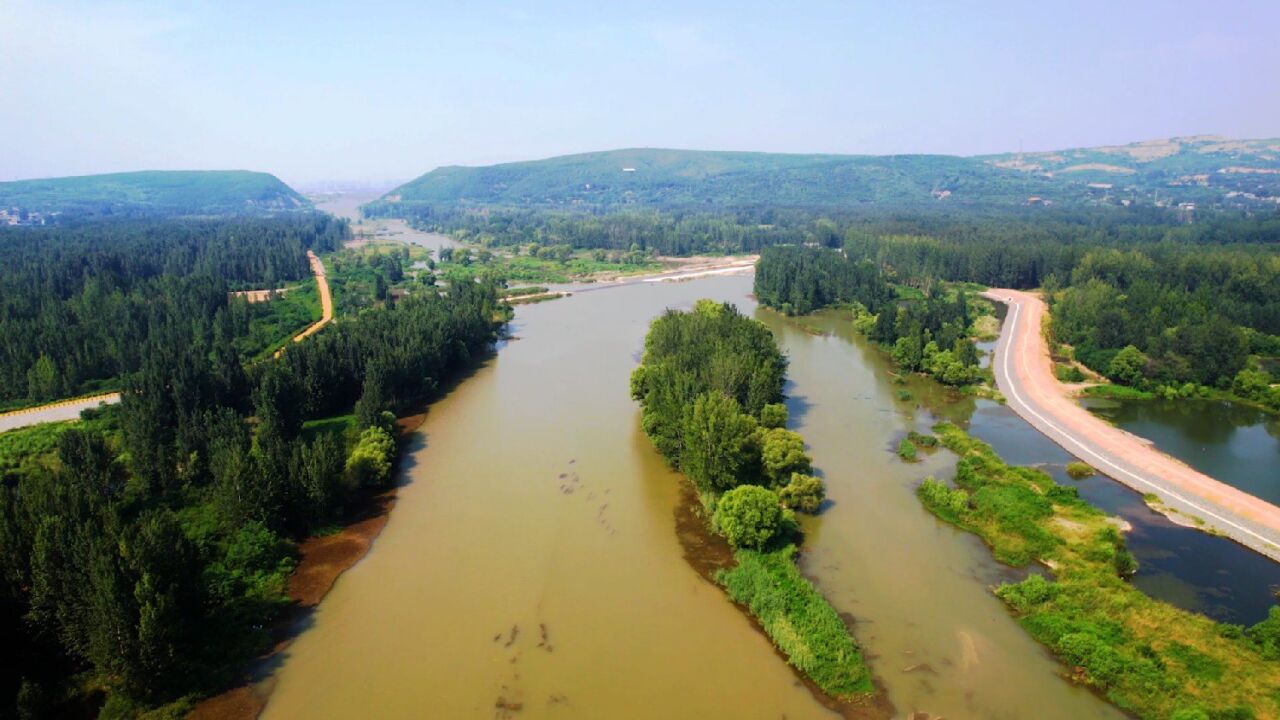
x=720, y=179
x=150, y=193
x=1208, y=170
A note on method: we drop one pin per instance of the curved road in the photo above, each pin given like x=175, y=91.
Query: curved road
x=326, y=301
x=1024, y=373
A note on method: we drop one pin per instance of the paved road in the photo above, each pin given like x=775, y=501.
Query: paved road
x=54, y=412
x=1024, y=373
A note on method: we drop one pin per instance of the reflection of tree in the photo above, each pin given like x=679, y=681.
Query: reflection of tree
x=1273, y=428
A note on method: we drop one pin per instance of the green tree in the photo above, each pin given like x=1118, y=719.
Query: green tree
x=804, y=493
x=717, y=437
x=749, y=516
x=43, y=381
x=369, y=464
x=773, y=415
x=781, y=454
x=1128, y=367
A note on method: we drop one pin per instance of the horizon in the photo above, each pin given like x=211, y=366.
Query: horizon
x=326, y=93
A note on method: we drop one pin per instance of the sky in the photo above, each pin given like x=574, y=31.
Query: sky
x=376, y=92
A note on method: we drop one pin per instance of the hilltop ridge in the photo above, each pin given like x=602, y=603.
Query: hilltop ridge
x=1210, y=170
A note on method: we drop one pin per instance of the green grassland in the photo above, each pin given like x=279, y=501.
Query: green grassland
x=1148, y=657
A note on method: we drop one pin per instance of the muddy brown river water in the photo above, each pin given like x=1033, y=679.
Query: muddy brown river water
x=532, y=568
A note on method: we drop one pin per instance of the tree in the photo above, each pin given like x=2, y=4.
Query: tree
x=373, y=397
x=717, y=438
x=43, y=380
x=804, y=493
x=781, y=454
x=749, y=516
x=1128, y=367
x=369, y=464
x=773, y=415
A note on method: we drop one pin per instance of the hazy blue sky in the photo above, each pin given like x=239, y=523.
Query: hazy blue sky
x=387, y=90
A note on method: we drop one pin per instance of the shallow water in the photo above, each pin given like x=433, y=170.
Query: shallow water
x=531, y=567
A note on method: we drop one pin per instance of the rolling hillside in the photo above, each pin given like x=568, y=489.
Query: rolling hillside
x=1210, y=171
x=151, y=193
x=1207, y=169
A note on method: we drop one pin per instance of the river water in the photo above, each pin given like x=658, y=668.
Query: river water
x=532, y=569
x=1234, y=443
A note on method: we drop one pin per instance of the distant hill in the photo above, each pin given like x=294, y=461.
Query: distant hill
x=151, y=193
x=1208, y=169
x=1213, y=171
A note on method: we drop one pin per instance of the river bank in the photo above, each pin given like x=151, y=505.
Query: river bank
x=322, y=559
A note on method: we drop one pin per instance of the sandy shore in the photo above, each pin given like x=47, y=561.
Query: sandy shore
x=1024, y=373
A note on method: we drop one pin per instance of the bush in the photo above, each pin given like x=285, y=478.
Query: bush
x=907, y=450
x=369, y=464
x=1025, y=595
x=946, y=502
x=749, y=516
x=773, y=415
x=804, y=493
x=1079, y=470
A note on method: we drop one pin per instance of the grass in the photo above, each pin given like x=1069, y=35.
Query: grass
x=798, y=620
x=1079, y=470
x=35, y=442
x=1116, y=392
x=274, y=323
x=523, y=291
x=1147, y=657
x=1068, y=373
x=341, y=425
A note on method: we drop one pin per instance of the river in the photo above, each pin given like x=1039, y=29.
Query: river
x=1234, y=443
x=531, y=567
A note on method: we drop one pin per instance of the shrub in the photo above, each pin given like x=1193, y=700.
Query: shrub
x=922, y=440
x=1079, y=470
x=749, y=516
x=369, y=464
x=1025, y=595
x=907, y=450
x=773, y=415
x=782, y=453
x=804, y=493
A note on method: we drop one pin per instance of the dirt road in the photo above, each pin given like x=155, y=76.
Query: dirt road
x=1024, y=373
x=326, y=301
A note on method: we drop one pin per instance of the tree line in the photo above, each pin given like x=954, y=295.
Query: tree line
x=149, y=550
x=929, y=334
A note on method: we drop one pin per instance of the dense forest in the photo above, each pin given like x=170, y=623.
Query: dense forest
x=710, y=390
x=144, y=551
x=1156, y=306
x=78, y=303
x=930, y=333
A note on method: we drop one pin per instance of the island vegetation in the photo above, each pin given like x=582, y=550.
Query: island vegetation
x=710, y=389
x=1146, y=656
